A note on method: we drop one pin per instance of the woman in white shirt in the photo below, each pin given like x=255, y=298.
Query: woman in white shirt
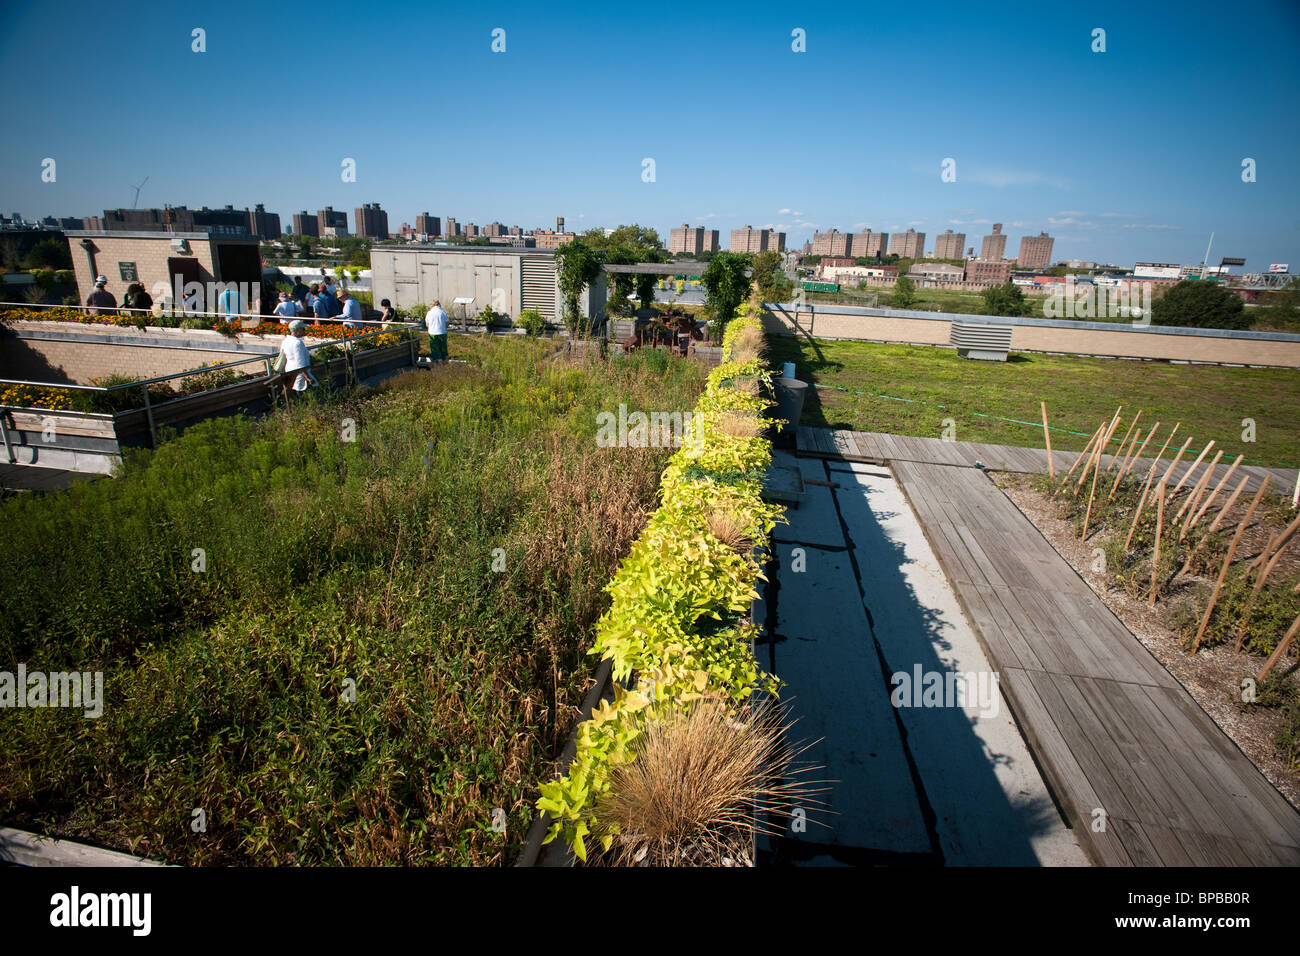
x=294, y=357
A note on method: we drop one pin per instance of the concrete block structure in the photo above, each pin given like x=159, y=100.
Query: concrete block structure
x=1035, y=251
x=949, y=245
x=995, y=244
x=509, y=279
x=161, y=261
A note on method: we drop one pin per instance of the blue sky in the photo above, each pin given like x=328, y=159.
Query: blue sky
x=1134, y=153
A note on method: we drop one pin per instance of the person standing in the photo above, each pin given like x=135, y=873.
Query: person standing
x=228, y=304
x=294, y=358
x=101, y=301
x=350, y=310
x=322, y=308
x=287, y=309
x=299, y=293
x=435, y=320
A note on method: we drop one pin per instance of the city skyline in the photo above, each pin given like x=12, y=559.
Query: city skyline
x=1121, y=156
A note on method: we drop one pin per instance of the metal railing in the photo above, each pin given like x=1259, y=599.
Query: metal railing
x=347, y=341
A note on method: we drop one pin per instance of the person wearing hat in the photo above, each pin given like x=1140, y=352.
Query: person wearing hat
x=295, y=359
x=101, y=301
x=287, y=309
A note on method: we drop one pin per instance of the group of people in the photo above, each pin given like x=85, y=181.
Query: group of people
x=325, y=302
x=294, y=360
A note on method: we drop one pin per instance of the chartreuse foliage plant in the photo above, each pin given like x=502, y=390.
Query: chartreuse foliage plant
x=676, y=630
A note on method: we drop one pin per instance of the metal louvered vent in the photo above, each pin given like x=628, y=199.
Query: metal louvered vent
x=982, y=340
x=538, y=273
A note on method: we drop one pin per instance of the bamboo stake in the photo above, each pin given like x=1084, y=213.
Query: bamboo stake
x=1174, y=464
x=1146, y=486
x=1193, y=499
x=1260, y=579
x=1094, y=462
x=1196, y=464
x=1227, y=560
x=1276, y=544
x=1092, y=494
x=1295, y=495
x=1167, y=443
x=1120, y=474
x=1214, y=494
x=1280, y=651
x=1134, y=460
x=1155, y=555
x=1110, y=432
x=1047, y=436
x=1131, y=426
x=1086, y=449
x=1219, y=517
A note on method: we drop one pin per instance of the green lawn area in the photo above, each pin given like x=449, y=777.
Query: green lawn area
x=351, y=632
x=928, y=384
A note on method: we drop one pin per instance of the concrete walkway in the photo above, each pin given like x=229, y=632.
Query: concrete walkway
x=858, y=597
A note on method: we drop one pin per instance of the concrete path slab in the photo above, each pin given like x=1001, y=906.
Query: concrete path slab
x=990, y=804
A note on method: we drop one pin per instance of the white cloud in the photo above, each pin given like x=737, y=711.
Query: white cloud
x=1072, y=212
x=1071, y=221
x=1020, y=224
x=859, y=226
x=712, y=215
x=1112, y=215
x=1149, y=225
x=916, y=222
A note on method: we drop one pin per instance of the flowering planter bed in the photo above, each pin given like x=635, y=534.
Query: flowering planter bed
x=93, y=443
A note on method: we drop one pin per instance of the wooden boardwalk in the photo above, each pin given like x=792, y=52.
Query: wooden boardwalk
x=880, y=447
x=1144, y=776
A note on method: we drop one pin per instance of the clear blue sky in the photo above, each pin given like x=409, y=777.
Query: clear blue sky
x=1134, y=153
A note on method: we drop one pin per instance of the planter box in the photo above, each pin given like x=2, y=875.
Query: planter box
x=93, y=443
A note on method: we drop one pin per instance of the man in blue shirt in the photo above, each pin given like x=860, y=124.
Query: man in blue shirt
x=228, y=303
x=351, y=311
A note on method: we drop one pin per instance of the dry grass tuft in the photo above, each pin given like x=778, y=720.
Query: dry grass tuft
x=724, y=525
x=750, y=344
x=739, y=426
x=699, y=775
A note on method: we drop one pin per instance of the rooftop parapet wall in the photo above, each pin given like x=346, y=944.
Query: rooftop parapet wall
x=76, y=354
x=1111, y=339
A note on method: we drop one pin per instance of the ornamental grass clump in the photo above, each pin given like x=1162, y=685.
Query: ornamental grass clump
x=699, y=776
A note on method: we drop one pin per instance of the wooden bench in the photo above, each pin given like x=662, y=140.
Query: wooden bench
x=982, y=340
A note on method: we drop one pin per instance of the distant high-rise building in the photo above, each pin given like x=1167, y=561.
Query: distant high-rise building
x=372, y=222
x=693, y=240
x=833, y=243
x=263, y=224
x=304, y=224
x=995, y=245
x=428, y=226
x=516, y=231
x=949, y=245
x=868, y=243
x=494, y=230
x=471, y=230
x=331, y=223
x=1035, y=251
x=750, y=239
x=907, y=245
x=453, y=228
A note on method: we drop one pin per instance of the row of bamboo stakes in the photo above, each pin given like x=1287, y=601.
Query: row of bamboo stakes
x=1193, y=509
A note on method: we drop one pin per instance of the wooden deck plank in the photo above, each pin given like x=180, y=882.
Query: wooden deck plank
x=1110, y=726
